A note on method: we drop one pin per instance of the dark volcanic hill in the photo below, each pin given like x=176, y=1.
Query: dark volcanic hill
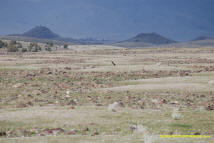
x=151, y=38
x=203, y=38
x=145, y=39
x=43, y=34
x=40, y=32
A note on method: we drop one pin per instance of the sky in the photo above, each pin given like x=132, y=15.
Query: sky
x=180, y=20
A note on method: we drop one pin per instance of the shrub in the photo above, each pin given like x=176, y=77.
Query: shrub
x=49, y=44
x=2, y=44
x=18, y=45
x=65, y=46
x=24, y=50
x=48, y=49
x=12, y=48
x=12, y=42
x=34, y=47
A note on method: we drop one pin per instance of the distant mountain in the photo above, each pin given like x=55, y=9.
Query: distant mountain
x=151, y=38
x=203, y=38
x=41, y=32
x=145, y=39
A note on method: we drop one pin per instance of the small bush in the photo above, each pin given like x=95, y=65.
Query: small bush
x=24, y=50
x=12, y=42
x=12, y=48
x=34, y=47
x=3, y=44
x=65, y=46
x=49, y=44
x=18, y=45
x=48, y=49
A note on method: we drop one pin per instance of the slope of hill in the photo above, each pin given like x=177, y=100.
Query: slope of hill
x=43, y=34
x=40, y=32
x=145, y=39
x=151, y=38
x=203, y=38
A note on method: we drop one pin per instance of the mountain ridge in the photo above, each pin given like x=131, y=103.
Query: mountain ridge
x=199, y=38
x=42, y=33
x=145, y=39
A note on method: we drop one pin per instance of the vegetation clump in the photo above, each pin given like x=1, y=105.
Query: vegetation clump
x=14, y=46
x=65, y=46
x=48, y=46
x=34, y=47
x=3, y=44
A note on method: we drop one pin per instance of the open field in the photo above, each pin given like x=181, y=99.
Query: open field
x=63, y=96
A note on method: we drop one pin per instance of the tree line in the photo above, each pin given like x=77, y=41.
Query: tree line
x=14, y=46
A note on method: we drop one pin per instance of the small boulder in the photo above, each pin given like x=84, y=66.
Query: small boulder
x=113, y=107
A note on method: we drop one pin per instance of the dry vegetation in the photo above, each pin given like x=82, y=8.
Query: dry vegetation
x=67, y=95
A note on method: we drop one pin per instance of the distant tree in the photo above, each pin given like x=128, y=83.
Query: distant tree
x=3, y=44
x=39, y=48
x=48, y=49
x=30, y=47
x=34, y=47
x=18, y=45
x=24, y=50
x=65, y=46
x=12, y=48
x=12, y=42
x=49, y=44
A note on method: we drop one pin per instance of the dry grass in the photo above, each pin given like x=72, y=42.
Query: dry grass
x=33, y=94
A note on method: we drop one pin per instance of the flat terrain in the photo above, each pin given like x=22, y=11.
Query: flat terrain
x=64, y=96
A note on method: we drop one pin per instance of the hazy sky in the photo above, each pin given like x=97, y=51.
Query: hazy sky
x=110, y=19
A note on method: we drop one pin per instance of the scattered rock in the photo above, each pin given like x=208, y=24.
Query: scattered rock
x=197, y=133
x=67, y=92
x=133, y=128
x=49, y=72
x=72, y=132
x=158, y=64
x=170, y=133
x=163, y=101
x=3, y=134
x=21, y=105
x=67, y=68
x=67, y=96
x=154, y=101
x=18, y=85
x=202, y=96
x=113, y=107
x=72, y=102
x=175, y=114
x=211, y=82
x=94, y=133
x=210, y=107
x=174, y=102
x=54, y=131
x=72, y=107
x=113, y=63
x=36, y=92
x=86, y=129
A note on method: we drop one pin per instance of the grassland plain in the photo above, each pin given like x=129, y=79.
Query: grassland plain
x=63, y=96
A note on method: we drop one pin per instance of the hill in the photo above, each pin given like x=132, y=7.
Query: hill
x=203, y=38
x=145, y=39
x=43, y=34
x=40, y=32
